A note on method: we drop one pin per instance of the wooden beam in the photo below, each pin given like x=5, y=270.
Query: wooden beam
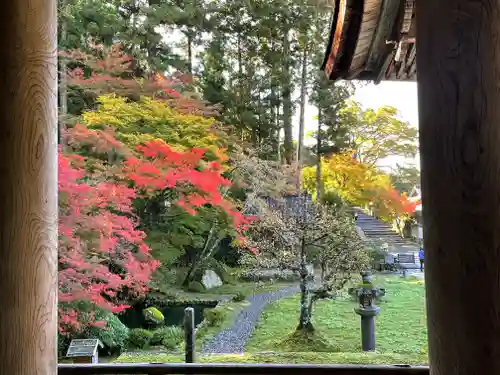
x=458, y=57
x=236, y=368
x=335, y=38
x=28, y=187
x=352, y=35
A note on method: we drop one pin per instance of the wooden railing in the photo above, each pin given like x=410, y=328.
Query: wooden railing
x=236, y=369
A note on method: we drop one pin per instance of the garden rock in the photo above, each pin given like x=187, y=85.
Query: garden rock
x=210, y=279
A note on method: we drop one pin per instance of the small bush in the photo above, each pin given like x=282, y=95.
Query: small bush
x=214, y=317
x=334, y=202
x=113, y=336
x=154, y=315
x=196, y=287
x=239, y=296
x=62, y=345
x=139, y=338
x=170, y=337
x=164, y=276
x=268, y=275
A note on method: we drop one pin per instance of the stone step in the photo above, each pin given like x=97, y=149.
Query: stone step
x=382, y=235
x=388, y=239
x=377, y=231
x=373, y=227
x=370, y=220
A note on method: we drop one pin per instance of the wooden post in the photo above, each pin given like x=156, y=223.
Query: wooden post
x=28, y=188
x=189, y=335
x=458, y=44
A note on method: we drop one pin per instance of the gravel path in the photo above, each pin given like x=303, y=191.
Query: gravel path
x=234, y=339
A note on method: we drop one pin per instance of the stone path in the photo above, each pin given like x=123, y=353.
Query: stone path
x=233, y=339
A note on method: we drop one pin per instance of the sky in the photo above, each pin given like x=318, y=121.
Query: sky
x=401, y=95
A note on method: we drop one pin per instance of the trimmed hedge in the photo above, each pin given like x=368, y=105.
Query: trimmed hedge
x=139, y=338
x=170, y=337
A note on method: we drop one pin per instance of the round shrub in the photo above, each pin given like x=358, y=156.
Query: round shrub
x=239, y=296
x=139, y=338
x=214, y=317
x=196, y=287
x=153, y=315
x=170, y=337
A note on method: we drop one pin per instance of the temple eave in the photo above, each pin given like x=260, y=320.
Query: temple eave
x=372, y=40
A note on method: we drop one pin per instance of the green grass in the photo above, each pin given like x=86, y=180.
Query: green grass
x=247, y=288
x=250, y=287
x=400, y=326
x=290, y=357
x=401, y=332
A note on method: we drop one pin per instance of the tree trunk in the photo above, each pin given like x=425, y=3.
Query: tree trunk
x=63, y=81
x=324, y=271
x=305, y=323
x=28, y=191
x=190, y=52
x=458, y=91
x=312, y=301
x=256, y=127
x=240, y=84
x=273, y=133
x=278, y=132
x=202, y=256
x=303, y=93
x=287, y=101
x=319, y=179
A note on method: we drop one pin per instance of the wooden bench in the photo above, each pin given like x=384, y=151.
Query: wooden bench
x=406, y=258
x=406, y=262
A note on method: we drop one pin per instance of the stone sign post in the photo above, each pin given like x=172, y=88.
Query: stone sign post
x=189, y=335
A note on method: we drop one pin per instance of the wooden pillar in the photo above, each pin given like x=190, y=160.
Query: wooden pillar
x=458, y=44
x=28, y=188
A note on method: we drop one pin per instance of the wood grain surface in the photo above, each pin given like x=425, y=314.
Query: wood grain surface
x=236, y=369
x=458, y=52
x=28, y=188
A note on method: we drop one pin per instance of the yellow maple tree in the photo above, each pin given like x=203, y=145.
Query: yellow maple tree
x=141, y=121
x=353, y=181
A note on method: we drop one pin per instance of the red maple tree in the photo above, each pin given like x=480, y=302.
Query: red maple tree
x=198, y=183
x=103, y=259
x=110, y=70
x=390, y=205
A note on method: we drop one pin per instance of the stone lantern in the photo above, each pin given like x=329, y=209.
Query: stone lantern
x=367, y=284
x=367, y=310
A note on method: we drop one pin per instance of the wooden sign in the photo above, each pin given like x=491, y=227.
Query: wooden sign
x=84, y=348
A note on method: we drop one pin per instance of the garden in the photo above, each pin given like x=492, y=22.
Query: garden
x=171, y=198
x=401, y=334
